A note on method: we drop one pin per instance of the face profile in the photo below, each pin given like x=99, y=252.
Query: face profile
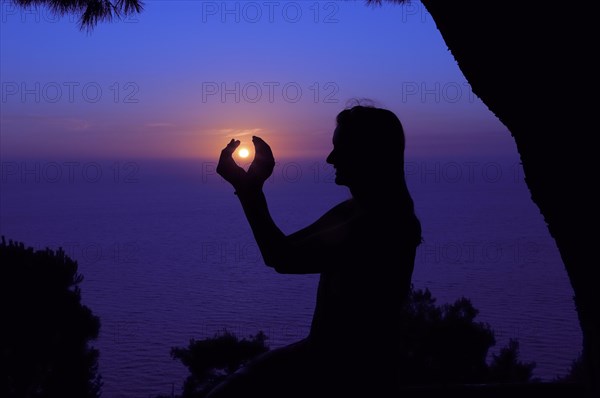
x=340, y=159
x=368, y=148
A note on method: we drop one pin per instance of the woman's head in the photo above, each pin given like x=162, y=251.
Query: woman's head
x=368, y=146
x=368, y=156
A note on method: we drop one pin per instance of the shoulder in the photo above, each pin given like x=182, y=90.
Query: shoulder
x=345, y=206
x=335, y=219
x=341, y=212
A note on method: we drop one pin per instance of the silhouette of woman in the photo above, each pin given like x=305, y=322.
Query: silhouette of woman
x=363, y=249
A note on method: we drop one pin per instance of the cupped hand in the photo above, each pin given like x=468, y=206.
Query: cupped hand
x=260, y=169
x=263, y=164
x=228, y=168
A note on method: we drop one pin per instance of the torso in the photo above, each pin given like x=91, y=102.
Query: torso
x=360, y=297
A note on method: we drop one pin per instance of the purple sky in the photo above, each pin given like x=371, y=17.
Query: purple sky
x=183, y=77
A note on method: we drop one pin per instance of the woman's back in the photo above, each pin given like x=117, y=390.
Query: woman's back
x=361, y=293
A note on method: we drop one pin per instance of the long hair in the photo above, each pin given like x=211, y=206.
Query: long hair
x=370, y=129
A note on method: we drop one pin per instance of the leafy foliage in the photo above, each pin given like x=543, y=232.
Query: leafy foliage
x=45, y=330
x=440, y=345
x=212, y=359
x=90, y=12
x=443, y=344
x=576, y=372
x=506, y=367
x=446, y=345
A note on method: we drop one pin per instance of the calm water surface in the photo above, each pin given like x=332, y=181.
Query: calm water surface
x=168, y=256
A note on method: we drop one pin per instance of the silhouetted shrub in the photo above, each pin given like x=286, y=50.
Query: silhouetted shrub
x=445, y=345
x=506, y=367
x=440, y=345
x=45, y=329
x=212, y=359
x=576, y=373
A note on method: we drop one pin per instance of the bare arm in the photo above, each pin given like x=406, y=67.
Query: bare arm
x=309, y=250
x=270, y=239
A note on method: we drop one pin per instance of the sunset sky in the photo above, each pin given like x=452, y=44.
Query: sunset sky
x=109, y=141
x=183, y=77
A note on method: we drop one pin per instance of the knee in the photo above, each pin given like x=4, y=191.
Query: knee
x=219, y=391
x=233, y=386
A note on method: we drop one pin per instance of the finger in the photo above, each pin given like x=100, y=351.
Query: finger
x=257, y=140
x=231, y=147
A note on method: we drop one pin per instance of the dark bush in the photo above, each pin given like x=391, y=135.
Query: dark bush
x=45, y=331
x=212, y=359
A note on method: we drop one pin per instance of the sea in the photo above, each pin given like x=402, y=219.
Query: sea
x=167, y=255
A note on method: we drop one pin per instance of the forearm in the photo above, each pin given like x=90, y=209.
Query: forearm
x=309, y=250
x=268, y=236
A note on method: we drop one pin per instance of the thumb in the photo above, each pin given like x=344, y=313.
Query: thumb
x=262, y=149
x=231, y=147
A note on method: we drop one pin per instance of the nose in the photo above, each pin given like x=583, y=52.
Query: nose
x=331, y=158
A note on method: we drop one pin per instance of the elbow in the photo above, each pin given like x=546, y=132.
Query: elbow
x=292, y=267
x=272, y=261
x=276, y=260
x=278, y=266
x=286, y=262
x=280, y=270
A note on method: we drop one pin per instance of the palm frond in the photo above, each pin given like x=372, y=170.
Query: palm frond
x=379, y=2
x=90, y=12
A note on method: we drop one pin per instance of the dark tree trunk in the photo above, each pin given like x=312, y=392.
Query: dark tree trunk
x=531, y=64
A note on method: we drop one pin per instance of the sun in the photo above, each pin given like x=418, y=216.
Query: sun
x=243, y=153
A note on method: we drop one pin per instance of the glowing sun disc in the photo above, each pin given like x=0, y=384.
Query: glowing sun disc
x=243, y=153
